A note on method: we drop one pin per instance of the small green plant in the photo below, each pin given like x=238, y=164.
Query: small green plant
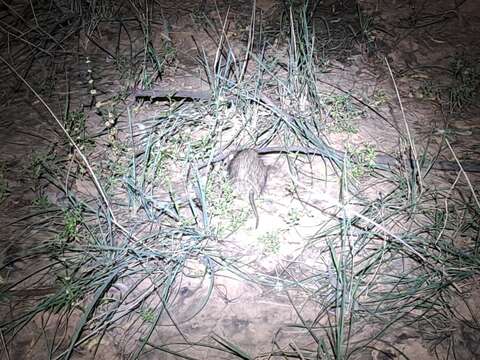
x=116, y=170
x=220, y=195
x=342, y=112
x=41, y=201
x=39, y=162
x=147, y=315
x=72, y=218
x=462, y=88
x=363, y=160
x=465, y=82
x=237, y=218
x=293, y=217
x=117, y=164
x=70, y=292
x=187, y=222
x=379, y=98
x=202, y=145
x=108, y=112
x=76, y=125
x=270, y=242
x=428, y=91
x=156, y=171
x=154, y=59
x=43, y=166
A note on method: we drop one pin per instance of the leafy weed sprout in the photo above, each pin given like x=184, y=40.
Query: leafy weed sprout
x=41, y=201
x=465, y=83
x=294, y=216
x=462, y=85
x=363, y=157
x=76, y=125
x=221, y=197
x=342, y=112
x=270, y=242
x=72, y=219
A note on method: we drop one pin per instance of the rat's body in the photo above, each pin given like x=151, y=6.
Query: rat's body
x=248, y=174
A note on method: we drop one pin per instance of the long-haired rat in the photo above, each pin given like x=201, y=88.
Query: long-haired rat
x=249, y=175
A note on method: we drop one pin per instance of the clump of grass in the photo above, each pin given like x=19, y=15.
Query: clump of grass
x=342, y=112
x=366, y=33
x=76, y=125
x=294, y=216
x=363, y=160
x=270, y=242
x=40, y=163
x=465, y=82
x=72, y=220
x=45, y=167
x=379, y=98
x=41, y=201
x=116, y=167
x=148, y=315
x=109, y=113
x=428, y=91
x=219, y=192
x=154, y=59
x=462, y=86
x=220, y=195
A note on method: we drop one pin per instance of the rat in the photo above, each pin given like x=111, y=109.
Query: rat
x=248, y=174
